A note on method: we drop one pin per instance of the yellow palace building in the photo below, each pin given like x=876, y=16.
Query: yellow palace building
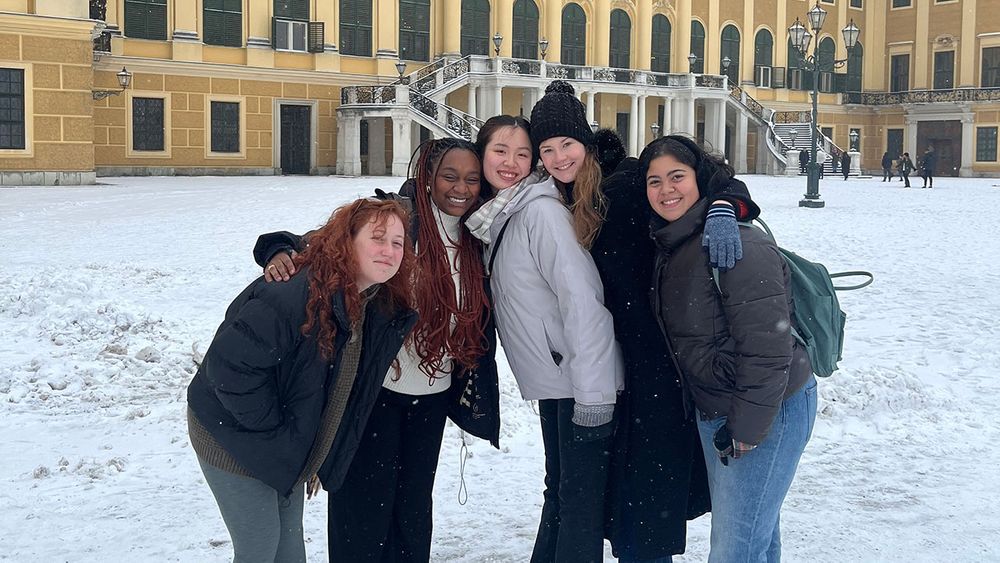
x=114, y=87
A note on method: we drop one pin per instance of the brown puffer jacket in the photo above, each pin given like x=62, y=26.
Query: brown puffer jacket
x=735, y=351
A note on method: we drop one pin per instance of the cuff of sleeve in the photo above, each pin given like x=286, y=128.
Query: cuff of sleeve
x=592, y=415
x=275, y=252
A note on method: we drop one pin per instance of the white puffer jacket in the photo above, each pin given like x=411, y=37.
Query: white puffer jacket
x=549, y=302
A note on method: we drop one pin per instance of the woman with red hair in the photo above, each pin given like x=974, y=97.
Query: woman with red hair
x=289, y=379
x=382, y=510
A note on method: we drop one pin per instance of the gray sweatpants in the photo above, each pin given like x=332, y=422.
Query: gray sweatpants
x=264, y=526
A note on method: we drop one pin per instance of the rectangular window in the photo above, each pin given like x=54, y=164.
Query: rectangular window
x=944, y=70
x=147, y=124
x=986, y=144
x=11, y=108
x=991, y=68
x=146, y=19
x=225, y=127
x=356, y=27
x=289, y=35
x=414, y=30
x=900, y=3
x=223, y=22
x=899, y=77
x=855, y=3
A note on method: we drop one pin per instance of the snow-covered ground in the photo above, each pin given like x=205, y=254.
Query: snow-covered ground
x=109, y=293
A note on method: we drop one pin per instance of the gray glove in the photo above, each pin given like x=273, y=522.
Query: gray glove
x=592, y=422
x=722, y=237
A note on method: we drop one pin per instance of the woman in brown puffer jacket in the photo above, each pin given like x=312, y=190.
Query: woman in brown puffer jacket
x=750, y=381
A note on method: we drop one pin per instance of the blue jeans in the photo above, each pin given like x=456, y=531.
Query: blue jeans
x=748, y=493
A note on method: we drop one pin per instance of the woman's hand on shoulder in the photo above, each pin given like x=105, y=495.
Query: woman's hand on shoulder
x=281, y=267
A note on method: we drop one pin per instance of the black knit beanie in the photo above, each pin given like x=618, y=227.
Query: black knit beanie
x=560, y=114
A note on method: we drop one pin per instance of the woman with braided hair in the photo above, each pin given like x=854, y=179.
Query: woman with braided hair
x=381, y=508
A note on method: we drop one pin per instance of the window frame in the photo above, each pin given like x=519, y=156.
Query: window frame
x=525, y=47
x=228, y=16
x=136, y=4
x=996, y=135
x=734, y=53
x=27, y=112
x=665, y=36
x=618, y=56
x=470, y=42
x=893, y=76
x=130, y=150
x=698, y=49
x=412, y=33
x=241, y=134
x=935, y=71
x=357, y=29
x=899, y=4
x=994, y=70
x=573, y=49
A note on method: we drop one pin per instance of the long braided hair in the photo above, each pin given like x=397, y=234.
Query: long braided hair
x=435, y=288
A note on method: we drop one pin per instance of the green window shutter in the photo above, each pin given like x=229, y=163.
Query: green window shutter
x=316, y=37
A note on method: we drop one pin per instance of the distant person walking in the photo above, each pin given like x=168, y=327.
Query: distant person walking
x=845, y=164
x=803, y=161
x=886, y=167
x=905, y=167
x=927, y=165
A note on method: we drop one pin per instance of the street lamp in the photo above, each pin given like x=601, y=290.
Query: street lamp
x=497, y=40
x=854, y=140
x=692, y=58
x=800, y=39
x=124, y=79
x=594, y=126
x=655, y=127
x=544, y=46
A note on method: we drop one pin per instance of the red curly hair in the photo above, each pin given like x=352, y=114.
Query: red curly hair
x=436, y=298
x=333, y=267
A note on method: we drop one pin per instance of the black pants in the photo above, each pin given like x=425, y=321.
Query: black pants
x=847, y=171
x=382, y=513
x=928, y=175
x=886, y=174
x=576, y=474
x=906, y=178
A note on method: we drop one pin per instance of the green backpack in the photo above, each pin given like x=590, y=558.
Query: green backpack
x=818, y=321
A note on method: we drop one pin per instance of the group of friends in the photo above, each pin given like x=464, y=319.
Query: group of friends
x=662, y=392
x=926, y=165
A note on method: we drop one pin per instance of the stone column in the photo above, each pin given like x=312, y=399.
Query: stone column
x=968, y=130
x=590, y=106
x=401, y=148
x=643, y=130
x=714, y=122
x=633, y=125
x=498, y=100
x=910, y=145
x=451, y=29
x=352, y=146
x=600, y=42
x=720, y=133
x=667, y=127
x=740, y=143
x=472, y=100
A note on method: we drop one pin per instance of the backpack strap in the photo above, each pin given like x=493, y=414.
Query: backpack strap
x=495, y=246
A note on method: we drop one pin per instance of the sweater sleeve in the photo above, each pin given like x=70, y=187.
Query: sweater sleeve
x=592, y=357
x=240, y=364
x=269, y=244
x=756, y=308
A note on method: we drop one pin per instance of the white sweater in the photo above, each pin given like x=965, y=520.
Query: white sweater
x=413, y=381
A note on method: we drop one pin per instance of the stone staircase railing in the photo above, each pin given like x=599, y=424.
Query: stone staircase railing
x=802, y=141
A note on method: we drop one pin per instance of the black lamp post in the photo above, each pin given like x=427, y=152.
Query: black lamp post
x=401, y=69
x=692, y=58
x=497, y=41
x=655, y=128
x=800, y=38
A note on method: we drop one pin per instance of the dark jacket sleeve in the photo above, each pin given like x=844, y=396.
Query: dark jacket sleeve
x=756, y=307
x=735, y=192
x=240, y=365
x=270, y=244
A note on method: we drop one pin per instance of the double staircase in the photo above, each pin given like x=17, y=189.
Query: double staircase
x=798, y=123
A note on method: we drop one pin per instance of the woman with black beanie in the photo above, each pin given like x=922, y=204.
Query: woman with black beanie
x=657, y=476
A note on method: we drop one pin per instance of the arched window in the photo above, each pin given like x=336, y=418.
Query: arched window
x=731, y=49
x=855, y=62
x=660, y=61
x=525, y=30
x=574, y=35
x=355, y=26
x=698, y=46
x=620, y=53
x=763, y=48
x=824, y=54
x=414, y=30
x=475, y=27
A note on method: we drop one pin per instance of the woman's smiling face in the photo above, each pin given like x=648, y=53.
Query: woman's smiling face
x=562, y=157
x=456, y=182
x=507, y=157
x=671, y=187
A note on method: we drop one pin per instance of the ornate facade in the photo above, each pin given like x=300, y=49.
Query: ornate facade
x=294, y=86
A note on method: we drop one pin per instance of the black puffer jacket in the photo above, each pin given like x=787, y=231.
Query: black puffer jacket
x=262, y=386
x=475, y=404
x=736, y=352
